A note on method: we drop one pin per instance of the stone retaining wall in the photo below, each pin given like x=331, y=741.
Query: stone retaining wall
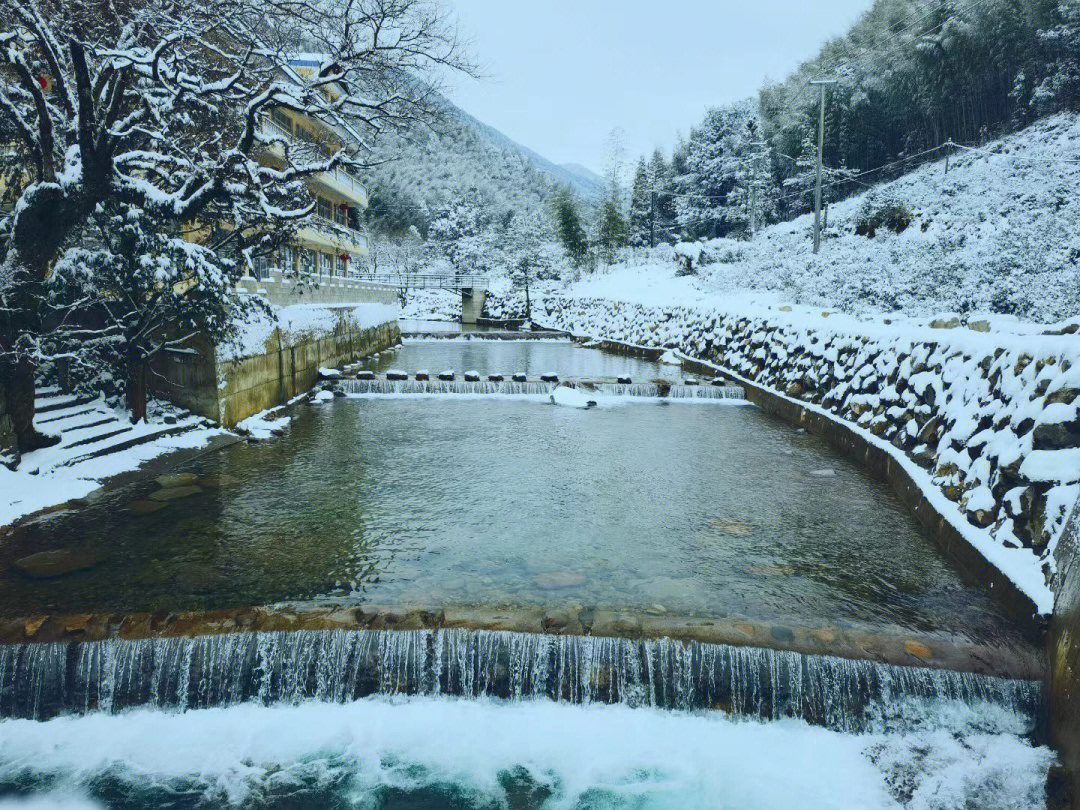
x=229, y=390
x=995, y=426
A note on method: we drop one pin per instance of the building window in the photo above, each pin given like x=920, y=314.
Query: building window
x=341, y=215
x=327, y=268
x=307, y=260
x=343, y=267
x=262, y=266
x=281, y=119
x=325, y=209
x=288, y=259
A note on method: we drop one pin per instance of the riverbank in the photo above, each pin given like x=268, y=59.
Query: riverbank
x=989, y=417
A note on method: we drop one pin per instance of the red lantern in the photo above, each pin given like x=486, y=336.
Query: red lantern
x=344, y=207
x=344, y=257
x=43, y=81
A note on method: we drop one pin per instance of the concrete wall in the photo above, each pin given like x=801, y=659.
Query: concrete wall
x=472, y=305
x=228, y=391
x=1063, y=653
x=282, y=291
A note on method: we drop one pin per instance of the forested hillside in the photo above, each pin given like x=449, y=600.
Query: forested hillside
x=459, y=157
x=912, y=76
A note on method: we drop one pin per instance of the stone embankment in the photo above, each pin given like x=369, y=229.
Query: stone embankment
x=992, y=422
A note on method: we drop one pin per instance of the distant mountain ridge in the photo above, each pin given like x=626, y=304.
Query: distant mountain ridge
x=462, y=155
x=586, y=184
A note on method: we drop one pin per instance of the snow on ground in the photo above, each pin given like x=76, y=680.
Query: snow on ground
x=999, y=233
x=60, y=473
x=477, y=751
x=998, y=236
x=303, y=319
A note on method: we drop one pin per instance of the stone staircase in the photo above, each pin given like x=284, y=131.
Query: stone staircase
x=88, y=428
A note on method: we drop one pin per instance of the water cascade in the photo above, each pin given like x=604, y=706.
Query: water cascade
x=639, y=390
x=43, y=680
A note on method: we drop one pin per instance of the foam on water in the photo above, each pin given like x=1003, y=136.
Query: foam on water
x=455, y=753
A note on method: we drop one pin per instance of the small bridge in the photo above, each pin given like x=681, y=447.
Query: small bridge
x=473, y=288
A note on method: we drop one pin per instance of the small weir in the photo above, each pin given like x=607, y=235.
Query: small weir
x=540, y=388
x=46, y=679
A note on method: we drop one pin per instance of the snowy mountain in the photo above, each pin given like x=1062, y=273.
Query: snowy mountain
x=462, y=155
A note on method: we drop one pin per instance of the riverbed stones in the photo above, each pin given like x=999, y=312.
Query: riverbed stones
x=145, y=507
x=563, y=621
x=555, y=580
x=176, y=479
x=917, y=649
x=56, y=563
x=174, y=493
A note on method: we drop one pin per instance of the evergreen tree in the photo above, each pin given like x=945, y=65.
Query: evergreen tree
x=641, y=206
x=568, y=227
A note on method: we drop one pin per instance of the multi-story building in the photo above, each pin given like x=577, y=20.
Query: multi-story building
x=331, y=243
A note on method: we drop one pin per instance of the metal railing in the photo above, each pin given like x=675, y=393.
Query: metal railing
x=426, y=280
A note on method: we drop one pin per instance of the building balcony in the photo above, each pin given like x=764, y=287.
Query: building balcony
x=339, y=180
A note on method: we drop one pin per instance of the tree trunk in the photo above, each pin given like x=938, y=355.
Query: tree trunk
x=136, y=389
x=20, y=405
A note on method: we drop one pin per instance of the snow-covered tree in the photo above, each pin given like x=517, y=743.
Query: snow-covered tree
x=142, y=289
x=569, y=229
x=465, y=235
x=715, y=157
x=158, y=105
x=611, y=224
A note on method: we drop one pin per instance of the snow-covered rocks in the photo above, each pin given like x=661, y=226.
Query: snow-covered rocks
x=329, y=373
x=569, y=397
x=323, y=396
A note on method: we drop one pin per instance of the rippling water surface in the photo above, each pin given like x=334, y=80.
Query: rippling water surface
x=698, y=509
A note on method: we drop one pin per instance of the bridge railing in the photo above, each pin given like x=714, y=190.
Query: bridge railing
x=417, y=281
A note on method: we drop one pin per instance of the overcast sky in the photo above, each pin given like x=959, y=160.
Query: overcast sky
x=563, y=73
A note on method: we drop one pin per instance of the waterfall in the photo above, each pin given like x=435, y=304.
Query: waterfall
x=640, y=390
x=707, y=392
x=43, y=680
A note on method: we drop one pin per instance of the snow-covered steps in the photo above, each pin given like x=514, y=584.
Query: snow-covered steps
x=57, y=402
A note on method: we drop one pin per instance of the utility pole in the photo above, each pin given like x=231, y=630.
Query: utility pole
x=822, y=83
x=755, y=183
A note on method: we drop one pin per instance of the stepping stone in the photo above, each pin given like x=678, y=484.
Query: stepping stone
x=624, y=381
x=180, y=479
x=720, y=382
x=56, y=563
x=550, y=378
x=173, y=493
x=423, y=376
x=472, y=376
x=394, y=374
x=365, y=375
x=520, y=378
x=690, y=381
x=447, y=376
x=495, y=377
